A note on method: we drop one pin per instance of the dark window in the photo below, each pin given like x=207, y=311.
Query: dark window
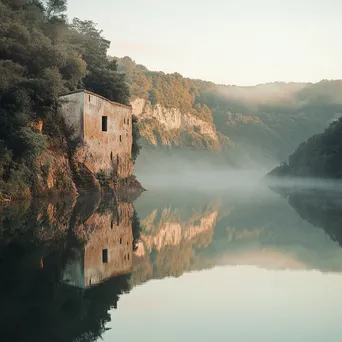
x=128, y=256
x=120, y=138
x=89, y=98
x=124, y=121
x=120, y=241
x=127, y=121
x=111, y=225
x=104, y=256
x=104, y=123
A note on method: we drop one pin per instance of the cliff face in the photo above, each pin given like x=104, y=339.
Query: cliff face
x=170, y=127
x=59, y=172
x=54, y=174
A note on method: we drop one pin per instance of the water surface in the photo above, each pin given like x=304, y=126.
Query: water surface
x=244, y=264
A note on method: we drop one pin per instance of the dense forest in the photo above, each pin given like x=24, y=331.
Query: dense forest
x=319, y=156
x=43, y=55
x=263, y=122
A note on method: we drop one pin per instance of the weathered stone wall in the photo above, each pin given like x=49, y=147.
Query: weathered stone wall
x=73, y=106
x=102, y=148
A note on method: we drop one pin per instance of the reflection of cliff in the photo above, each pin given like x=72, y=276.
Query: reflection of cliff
x=45, y=248
x=259, y=229
x=165, y=228
x=171, y=234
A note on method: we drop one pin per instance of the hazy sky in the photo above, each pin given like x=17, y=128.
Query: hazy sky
x=226, y=41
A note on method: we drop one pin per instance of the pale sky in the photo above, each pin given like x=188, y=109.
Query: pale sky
x=241, y=42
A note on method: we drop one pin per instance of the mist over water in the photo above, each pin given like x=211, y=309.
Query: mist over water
x=180, y=174
x=202, y=179
x=203, y=173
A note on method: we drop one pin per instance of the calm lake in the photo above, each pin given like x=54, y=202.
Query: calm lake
x=239, y=265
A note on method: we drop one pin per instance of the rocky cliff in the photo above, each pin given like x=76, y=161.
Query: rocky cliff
x=161, y=126
x=58, y=171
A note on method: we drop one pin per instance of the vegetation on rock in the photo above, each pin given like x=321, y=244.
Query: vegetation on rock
x=41, y=56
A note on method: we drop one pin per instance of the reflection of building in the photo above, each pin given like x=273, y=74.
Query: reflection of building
x=107, y=251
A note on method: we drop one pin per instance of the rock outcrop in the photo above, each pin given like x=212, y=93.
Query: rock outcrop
x=170, y=127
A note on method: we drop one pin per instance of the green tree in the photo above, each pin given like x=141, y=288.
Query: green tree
x=36, y=66
x=103, y=76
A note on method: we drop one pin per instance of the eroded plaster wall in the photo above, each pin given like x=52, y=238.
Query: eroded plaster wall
x=72, y=107
x=102, y=151
x=110, y=149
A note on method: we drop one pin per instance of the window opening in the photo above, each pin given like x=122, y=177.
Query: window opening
x=104, y=256
x=104, y=123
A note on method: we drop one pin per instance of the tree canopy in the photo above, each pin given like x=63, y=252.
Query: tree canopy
x=319, y=156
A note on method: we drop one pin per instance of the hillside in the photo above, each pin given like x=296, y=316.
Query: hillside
x=319, y=156
x=43, y=55
x=264, y=122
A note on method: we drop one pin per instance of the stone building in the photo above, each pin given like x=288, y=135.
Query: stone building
x=105, y=129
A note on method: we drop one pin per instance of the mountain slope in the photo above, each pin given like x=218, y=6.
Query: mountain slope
x=264, y=122
x=319, y=156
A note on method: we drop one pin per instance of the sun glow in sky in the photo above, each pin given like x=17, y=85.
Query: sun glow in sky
x=241, y=42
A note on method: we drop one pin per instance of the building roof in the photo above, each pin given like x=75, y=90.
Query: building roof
x=97, y=95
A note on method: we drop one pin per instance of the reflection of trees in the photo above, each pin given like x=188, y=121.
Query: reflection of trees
x=36, y=244
x=38, y=306
x=136, y=228
x=320, y=208
x=100, y=299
